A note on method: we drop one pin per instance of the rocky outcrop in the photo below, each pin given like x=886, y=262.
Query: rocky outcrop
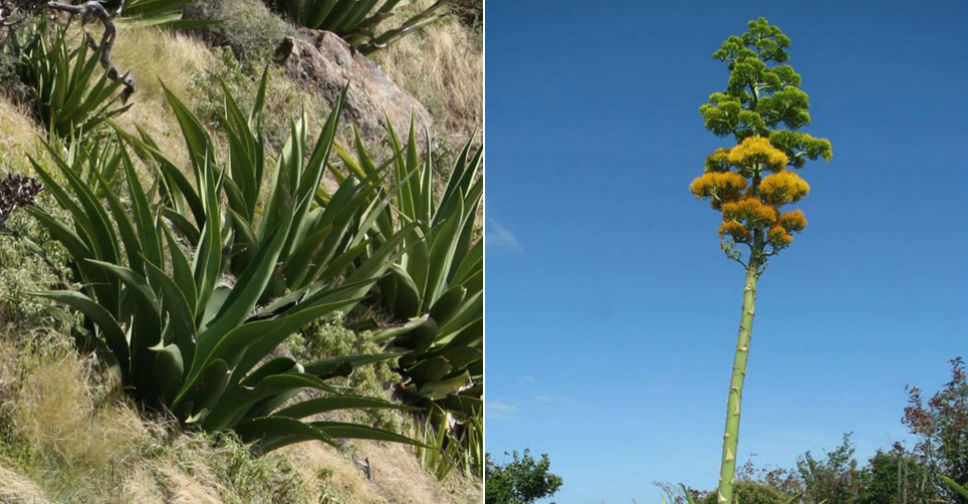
x=322, y=59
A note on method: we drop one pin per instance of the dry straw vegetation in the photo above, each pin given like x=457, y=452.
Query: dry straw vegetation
x=70, y=430
x=442, y=68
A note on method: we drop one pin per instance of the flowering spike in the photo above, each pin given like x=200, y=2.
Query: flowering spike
x=763, y=95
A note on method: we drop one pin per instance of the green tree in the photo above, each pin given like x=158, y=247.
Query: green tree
x=835, y=480
x=521, y=481
x=749, y=182
x=942, y=428
x=894, y=477
x=752, y=492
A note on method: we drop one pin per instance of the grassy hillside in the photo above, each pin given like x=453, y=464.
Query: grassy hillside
x=69, y=432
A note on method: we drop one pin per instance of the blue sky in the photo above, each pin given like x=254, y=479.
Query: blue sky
x=611, y=313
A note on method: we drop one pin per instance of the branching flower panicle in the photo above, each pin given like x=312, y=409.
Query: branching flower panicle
x=718, y=161
x=753, y=150
x=721, y=186
x=783, y=187
x=793, y=221
x=751, y=210
x=736, y=230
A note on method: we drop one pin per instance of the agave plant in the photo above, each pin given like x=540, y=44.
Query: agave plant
x=328, y=232
x=188, y=336
x=73, y=93
x=355, y=20
x=962, y=490
x=437, y=284
x=163, y=13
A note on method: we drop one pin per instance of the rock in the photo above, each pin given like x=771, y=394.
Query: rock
x=322, y=59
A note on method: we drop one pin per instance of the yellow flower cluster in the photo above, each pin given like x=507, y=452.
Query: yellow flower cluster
x=757, y=150
x=778, y=237
x=724, y=185
x=748, y=210
x=718, y=161
x=736, y=230
x=752, y=210
x=783, y=187
x=793, y=221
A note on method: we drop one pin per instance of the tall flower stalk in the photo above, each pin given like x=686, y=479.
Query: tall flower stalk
x=749, y=183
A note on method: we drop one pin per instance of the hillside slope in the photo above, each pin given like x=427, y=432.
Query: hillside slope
x=68, y=432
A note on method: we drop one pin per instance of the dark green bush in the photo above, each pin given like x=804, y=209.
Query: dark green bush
x=752, y=492
x=250, y=29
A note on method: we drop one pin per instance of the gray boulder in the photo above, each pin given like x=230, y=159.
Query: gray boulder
x=320, y=58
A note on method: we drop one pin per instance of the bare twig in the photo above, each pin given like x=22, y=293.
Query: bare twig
x=11, y=13
x=94, y=8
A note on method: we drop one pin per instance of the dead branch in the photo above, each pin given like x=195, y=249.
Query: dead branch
x=94, y=8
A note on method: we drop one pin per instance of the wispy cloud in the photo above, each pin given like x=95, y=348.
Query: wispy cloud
x=497, y=235
x=497, y=410
x=526, y=379
x=552, y=399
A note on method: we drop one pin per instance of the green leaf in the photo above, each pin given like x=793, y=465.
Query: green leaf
x=169, y=368
x=344, y=365
x=180, y=313
x=205, y=392
x=393, y=332
x=207, y=263
x=197, y=140
x=962, y=490
x=237, y=400
x=401, y=292
x=357, y=431
x=275, y=432
x=439, y=389
x=331, y=403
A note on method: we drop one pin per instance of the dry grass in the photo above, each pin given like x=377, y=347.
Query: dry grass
x=15, y=488
x=442, y=65
x=70, y=439
x=19, y=135
x=75, y=441
x=153, y=56
x=80, y=448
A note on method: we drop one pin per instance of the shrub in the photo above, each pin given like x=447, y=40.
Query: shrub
x=250, y=29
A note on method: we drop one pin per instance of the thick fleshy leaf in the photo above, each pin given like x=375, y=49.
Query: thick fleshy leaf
x=331, y=403
x=237, y=400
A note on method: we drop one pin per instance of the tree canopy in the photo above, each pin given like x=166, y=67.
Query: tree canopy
x=521, y=481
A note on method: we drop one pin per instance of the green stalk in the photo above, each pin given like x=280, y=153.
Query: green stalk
x=727, y=471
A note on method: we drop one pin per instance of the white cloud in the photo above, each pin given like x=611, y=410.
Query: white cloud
x=552, y=399
x=496, y=235
x=496, y=410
